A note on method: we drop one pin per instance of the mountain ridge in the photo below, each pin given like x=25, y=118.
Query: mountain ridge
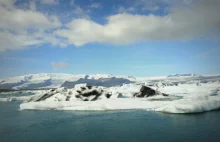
x=49, y=80
x=54, y=80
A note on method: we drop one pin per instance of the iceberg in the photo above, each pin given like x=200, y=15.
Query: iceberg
x=187, y=98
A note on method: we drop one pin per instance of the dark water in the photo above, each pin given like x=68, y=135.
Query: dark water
x=111, y=126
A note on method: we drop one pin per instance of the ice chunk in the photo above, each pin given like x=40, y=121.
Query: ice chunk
x=187, y=98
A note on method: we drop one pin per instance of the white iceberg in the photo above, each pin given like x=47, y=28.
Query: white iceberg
x=188, y=98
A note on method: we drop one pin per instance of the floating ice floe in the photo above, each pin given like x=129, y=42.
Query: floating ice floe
x=188, y=98
x=14, y=98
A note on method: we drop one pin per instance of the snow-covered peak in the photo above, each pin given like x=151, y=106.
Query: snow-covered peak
x=50, y=80
x=98, y=76
x=35, y=78
x=54, y=80
x=184, y=75
x=45, y=80
x=131, y=78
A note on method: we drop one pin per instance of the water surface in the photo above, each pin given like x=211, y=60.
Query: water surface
x=110, y=126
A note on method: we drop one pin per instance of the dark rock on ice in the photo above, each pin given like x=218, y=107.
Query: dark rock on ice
x=147, y=92
x=45, y=96
x=121, y=96
x=88, y=93
x=108, y=95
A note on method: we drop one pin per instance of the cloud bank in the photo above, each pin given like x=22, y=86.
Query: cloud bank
x=25, y=27
x=21, y=28
x=182, y=23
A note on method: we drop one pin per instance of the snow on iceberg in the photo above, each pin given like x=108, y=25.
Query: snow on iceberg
x=181, y=99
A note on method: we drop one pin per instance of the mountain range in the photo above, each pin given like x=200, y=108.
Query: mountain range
x=54, y=80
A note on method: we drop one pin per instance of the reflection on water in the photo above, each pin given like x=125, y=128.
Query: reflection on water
x=130, y=125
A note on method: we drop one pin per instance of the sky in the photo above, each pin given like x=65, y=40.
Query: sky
x=120, y=37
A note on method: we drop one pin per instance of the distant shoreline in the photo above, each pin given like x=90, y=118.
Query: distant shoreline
x=14, y=90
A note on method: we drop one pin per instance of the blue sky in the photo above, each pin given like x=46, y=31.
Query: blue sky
x=120, y=37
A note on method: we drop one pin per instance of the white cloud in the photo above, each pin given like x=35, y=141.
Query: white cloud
x=80, y=12
x=150, y=5
x=95, y=5
x=151, y=8
x=49, y=1
x=57, y=65
x=182, y=23
x=22, y=28
x=7, y=3
x=81, y=31
x=32, y=5
x=19, y=27
x=122, y=9
x=18, y=19
x=14, y=42
x=72, y=2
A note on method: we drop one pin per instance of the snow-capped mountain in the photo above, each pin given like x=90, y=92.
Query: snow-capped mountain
x=31, y=81
x=98, y=76
x=54, y=80
x=107, y=82
x=184, y=75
